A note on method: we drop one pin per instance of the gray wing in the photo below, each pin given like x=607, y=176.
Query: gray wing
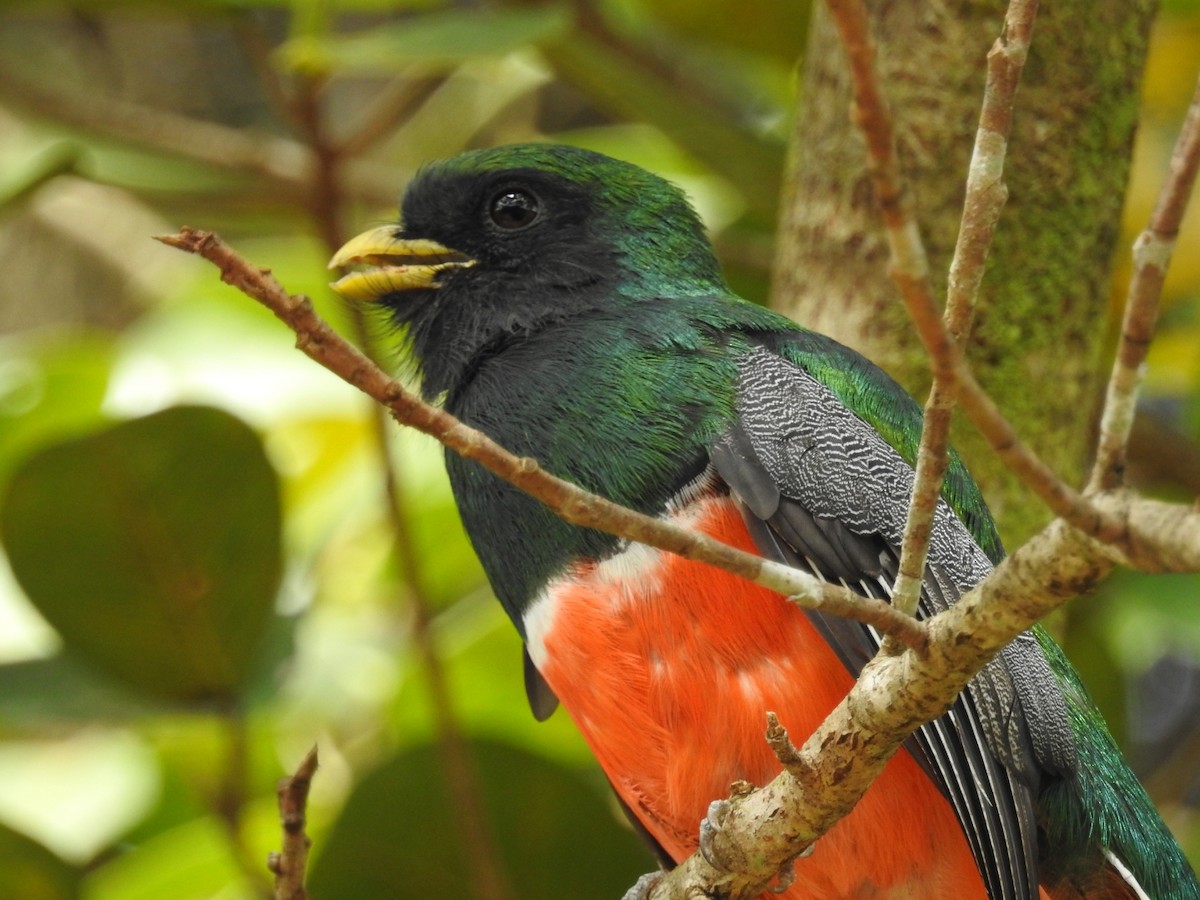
x=821, y=490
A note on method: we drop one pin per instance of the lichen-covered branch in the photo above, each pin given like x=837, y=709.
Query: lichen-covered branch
x=985, y=197
x=1151, y=255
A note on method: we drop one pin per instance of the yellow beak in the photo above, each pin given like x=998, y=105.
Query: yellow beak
x=391, y=264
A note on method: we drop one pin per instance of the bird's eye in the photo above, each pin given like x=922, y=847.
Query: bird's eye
x=514, y=210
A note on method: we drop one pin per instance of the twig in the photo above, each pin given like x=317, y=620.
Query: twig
x=908, y=265
x=909, y=270
x=570, y=502
x=289, y=864
x=1152, y=254
x=391, y=107
x=985, y=197
x=986, y=192
x=781, y=745
x=285, y=163
x=486, y=872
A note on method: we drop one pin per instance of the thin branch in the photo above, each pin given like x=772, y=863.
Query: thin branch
x=570, y=502
x=985, y=197
x=781, y=744
x=909, y=269
x=487, y=873
x=908, y=265
x=986, y=192
x=1064, y=501
x=285, y=163
x=389, y=109
x=1151, y=254
x=290, y=863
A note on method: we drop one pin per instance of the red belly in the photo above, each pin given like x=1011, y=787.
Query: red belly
x=668, y=667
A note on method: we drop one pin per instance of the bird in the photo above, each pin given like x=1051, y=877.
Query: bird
x=570, y=306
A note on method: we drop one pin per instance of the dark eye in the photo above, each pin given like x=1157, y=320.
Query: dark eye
x=513, y=210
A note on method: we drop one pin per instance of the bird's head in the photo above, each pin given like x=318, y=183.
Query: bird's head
x=495, y=245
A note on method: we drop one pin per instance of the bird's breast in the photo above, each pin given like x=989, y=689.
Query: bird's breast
x=669, y=667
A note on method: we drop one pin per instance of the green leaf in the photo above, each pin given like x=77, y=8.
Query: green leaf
x=761, y=27
x=397, y=836
x=438, y=40
x=60, y=689
x=153, y=548
x=30, y=871
x=22, y=181
x=193, y=861
x=49, y=389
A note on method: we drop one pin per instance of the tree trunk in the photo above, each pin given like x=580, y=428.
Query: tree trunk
x=1041, y=323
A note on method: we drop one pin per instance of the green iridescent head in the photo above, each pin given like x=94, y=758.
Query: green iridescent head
x=494, y=244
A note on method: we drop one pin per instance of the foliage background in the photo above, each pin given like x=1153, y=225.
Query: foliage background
x=139, y=748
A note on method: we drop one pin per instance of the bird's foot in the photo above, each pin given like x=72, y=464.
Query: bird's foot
x=719, y=854
x=644, y=885
x=711, y=828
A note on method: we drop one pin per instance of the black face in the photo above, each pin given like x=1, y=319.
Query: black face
x=538, y=260
x=520, y=220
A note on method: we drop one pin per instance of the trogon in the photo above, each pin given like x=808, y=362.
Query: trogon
x=570, y=306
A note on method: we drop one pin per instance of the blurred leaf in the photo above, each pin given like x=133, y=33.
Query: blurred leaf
x=153, y=548
x=1146, y=617
x=62, y=689
x=196, y=758
x=760, y=26
x=191, y=862
x=278, y=645
x=49, y=389
x=1166, y=85
x=396, y=836
x=336, y=6
x=77, y=791
x=482, y=654
x=29, y=871
x=438, y=40
x=19, y=182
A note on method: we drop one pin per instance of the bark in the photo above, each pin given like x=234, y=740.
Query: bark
x=1041, y=323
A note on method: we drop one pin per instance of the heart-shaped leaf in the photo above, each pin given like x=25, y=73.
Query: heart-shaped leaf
x=153, y=548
